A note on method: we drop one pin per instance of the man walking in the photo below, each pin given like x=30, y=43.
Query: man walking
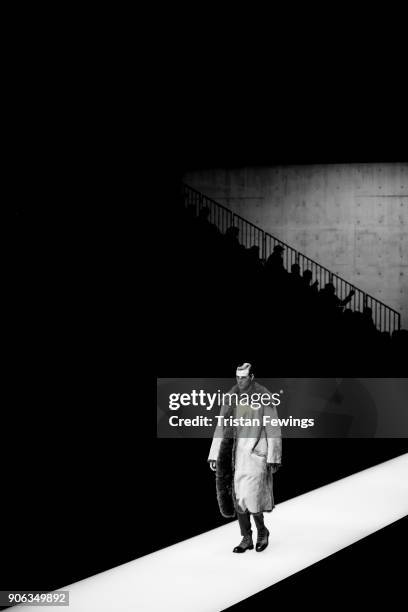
x=246, y=455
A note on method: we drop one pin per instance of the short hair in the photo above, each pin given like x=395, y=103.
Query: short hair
x=244, y=368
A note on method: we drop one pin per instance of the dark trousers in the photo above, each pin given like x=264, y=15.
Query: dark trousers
x=244, y=520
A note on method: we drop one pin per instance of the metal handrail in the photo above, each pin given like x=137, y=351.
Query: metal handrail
x=384, y=317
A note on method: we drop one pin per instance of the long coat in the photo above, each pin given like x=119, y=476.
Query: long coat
x=243, y=480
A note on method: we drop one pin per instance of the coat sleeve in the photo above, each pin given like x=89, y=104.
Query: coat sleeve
x=218, y=434
x=273, y=435
x=215, y=447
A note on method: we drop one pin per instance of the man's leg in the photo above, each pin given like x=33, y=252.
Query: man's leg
x=263, y=533
x=244, y=521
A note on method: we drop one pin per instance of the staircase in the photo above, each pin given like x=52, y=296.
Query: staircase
x=385, y=319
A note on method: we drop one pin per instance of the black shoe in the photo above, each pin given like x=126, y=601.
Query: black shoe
x=246, y=544
x=262, y=540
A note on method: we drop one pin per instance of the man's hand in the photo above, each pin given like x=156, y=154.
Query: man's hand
x=213, y=465
x=274, y=467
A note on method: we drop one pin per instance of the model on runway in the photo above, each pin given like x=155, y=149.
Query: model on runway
x=245, y=457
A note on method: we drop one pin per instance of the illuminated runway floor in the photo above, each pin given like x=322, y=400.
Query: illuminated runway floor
x=202, y=574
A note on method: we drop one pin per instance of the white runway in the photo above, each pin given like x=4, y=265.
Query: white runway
x=202, y=574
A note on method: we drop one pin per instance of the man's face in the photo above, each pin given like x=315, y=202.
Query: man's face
x=243, y=382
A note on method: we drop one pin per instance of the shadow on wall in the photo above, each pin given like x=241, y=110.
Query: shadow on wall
x=340, y=407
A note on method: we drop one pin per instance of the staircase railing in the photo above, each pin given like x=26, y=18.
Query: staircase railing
x=384, y=318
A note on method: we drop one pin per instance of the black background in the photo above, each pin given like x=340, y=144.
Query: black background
x=86, y=484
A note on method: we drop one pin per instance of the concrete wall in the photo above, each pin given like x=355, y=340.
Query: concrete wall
x=351, y=218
